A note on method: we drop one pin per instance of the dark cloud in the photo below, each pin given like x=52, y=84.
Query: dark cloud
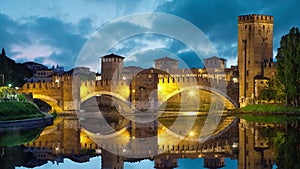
x=10, y=32
x=218, y=19
x=51, y=33
x=61, y=41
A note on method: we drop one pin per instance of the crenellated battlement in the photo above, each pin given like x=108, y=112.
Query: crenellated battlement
x=99, y=83
x=255, y=18
x=41, y=85
x=184, y=79
x=269, y=65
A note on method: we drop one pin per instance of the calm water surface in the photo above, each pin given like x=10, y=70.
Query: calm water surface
x=173, y=141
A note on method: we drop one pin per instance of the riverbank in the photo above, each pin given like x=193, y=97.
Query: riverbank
x=15, y=110
x=46, y=120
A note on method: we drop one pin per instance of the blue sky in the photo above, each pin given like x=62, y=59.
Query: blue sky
x=55, y=32
x=145, y=164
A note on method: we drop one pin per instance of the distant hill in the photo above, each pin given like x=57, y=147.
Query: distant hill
x=12, y=72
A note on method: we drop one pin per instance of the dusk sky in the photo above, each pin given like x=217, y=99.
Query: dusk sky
x=55, y=32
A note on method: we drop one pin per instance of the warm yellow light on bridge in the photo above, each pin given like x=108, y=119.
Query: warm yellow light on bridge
x=192, y=93
x=191, y=134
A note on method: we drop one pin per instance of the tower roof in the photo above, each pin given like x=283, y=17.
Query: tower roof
x=112, y=56
x=215, y=57
x=166, y=58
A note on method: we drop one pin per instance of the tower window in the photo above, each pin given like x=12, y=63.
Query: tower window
x=245, y=26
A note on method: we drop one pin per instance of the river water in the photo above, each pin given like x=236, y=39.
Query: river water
x=185, y=140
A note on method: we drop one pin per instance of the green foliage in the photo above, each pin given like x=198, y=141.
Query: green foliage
x=287, y=66
x=285, y=141
x=273, y=92
x=269, y=119
x=268, y=108
x=287, y=152
x=18, y=110
x=4, y=90
x=19, y=137
x=22, y=98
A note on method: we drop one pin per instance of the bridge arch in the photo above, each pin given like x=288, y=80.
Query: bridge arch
x=99, y=93
x=217, y=92
x=49, y=100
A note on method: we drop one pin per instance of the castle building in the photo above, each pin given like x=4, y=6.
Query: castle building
x=167, y=64
x=255, y=53
x=111, y=67
x=214, y=63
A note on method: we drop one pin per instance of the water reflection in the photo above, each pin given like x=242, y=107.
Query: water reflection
x=254, y=145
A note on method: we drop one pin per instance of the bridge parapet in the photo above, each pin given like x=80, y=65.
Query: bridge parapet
x=186, y=80
x=41, y=86
x=101, y=83
x=97, y=87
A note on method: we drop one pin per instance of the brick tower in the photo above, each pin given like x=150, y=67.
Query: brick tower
x=111, y=67
x=255, y=45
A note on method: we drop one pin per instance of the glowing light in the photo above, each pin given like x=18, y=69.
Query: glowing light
x=235, y=80
x=189, y=113
x=191, y=133
x=191, y=93
x=56, y=81
x=9, y=85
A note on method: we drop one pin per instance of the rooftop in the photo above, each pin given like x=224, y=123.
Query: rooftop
x=165, y=58
x=112, y=56
x=214, y=57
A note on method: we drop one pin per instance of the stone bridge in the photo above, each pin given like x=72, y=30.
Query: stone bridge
x=145, y=91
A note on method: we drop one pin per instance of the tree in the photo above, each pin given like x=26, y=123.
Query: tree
x=287, y=66
x=274, y=91
x=4, y=70
x=11, y=72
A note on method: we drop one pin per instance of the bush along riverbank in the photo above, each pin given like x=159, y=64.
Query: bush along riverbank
x=15, y=110
x=266, y=109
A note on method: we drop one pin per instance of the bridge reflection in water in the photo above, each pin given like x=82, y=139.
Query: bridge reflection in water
x=252, y=144
x=131, y=142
